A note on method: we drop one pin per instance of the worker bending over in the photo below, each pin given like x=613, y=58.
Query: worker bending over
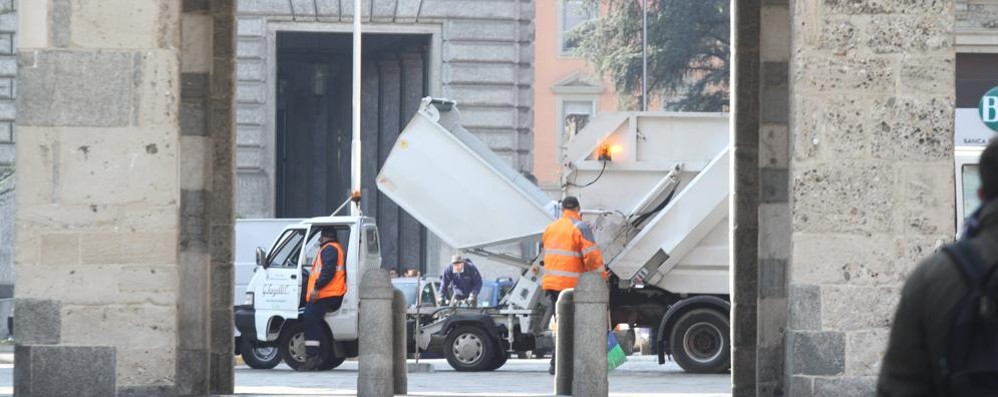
x=569, y=250
x=326, y=286
x=464, y=278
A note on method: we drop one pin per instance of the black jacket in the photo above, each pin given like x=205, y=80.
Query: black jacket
x=918, y=337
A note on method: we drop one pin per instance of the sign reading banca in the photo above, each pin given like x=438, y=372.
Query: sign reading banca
x=975, y=127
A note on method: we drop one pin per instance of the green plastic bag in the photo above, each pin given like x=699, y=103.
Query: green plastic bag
x=615, y=356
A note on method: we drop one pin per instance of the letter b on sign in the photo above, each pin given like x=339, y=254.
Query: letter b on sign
x=988, y=109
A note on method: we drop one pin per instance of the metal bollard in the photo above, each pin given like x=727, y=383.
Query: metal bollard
x=374, y=377
x=564, y=344
x=589, y=345
x=398, y=344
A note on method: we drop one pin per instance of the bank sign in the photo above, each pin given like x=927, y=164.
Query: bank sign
x=988, y=109
x=975, y=127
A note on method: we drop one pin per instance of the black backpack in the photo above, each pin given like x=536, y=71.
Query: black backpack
x=970, y=362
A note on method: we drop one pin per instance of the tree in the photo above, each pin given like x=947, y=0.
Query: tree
x=688, y=50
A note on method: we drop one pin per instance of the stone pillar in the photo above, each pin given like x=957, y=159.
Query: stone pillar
x=745, y=197
x=220, y=145
x=772, y=165
x=399, y=369
x=375, y=372
x=127, y=204
x=872, y=183
x=97, y=212
x=564, y=343
x=589, y=342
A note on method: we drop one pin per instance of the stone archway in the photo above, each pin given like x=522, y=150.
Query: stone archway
x=116, y=264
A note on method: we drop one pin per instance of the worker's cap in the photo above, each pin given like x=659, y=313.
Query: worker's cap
x=570, y=203
x=457, y=259
x=328, y=232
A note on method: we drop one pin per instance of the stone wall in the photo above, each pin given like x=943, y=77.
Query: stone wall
x=116, y=213
x=482, y=57
x=8, y=68
x=872, y=177
x=976, y=26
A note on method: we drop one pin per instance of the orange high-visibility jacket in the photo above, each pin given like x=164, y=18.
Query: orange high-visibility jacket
x=569, y=250
x=336, y=287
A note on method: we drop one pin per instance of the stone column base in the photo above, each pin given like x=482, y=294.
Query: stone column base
x=70, y=371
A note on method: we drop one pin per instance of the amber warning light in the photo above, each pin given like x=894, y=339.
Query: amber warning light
x=606, y=152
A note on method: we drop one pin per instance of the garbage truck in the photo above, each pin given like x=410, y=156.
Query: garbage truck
x=654, y=187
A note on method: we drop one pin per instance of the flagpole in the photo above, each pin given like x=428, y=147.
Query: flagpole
x=355, y=104
x=644, y=57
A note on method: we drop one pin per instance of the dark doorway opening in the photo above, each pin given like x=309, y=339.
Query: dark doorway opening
x=313, y=129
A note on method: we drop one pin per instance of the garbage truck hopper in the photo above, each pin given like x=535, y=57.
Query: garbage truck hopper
x=457, y=187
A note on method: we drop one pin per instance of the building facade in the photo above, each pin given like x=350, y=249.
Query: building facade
x=567, y=95
x=479, y=53
x=8, y=90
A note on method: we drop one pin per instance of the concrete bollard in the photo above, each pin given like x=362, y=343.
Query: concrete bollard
x=399, y=344
x=589, y=345
x=374, y=377
x=564, y=343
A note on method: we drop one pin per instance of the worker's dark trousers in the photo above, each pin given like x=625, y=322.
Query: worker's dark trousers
x=553, y=296
x=315, y=312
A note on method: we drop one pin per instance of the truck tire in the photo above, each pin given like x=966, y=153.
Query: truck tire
x=701, y=342
x=259, y=357
x=292, y=345
x=331, y=361
x=469, y=349
x=499, y=360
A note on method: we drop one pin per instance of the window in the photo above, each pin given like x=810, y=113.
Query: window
x=288, y=249
x=576, y=115
x=576, y=112
x=371, y=238
x=312, y=248
x=971, y=181
x=428, y=297
x=571, y=14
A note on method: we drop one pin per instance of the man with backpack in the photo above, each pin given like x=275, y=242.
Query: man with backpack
x=944, y=340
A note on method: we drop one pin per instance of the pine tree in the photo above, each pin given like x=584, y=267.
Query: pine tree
x=688, y=50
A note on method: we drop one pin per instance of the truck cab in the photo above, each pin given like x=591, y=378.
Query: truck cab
x=275, y=296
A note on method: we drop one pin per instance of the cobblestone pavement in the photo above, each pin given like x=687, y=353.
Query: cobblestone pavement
x=640, y=376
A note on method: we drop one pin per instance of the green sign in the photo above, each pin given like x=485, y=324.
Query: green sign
x=988, y=109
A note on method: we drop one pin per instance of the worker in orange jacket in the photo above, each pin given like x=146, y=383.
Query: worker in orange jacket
x=569, y=251
x=327, y=283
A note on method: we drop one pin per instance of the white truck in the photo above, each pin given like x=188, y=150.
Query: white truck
x=655, y=188
x=275, y=295
x=653, y=185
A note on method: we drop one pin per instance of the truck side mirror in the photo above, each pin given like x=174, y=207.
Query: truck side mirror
x=261, y=257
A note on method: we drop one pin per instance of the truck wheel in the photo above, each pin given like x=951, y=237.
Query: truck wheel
x=469, y=349
x=499, y=361
x=331, y=361
x=292, y=345
x=259, y=357
x=701, y=341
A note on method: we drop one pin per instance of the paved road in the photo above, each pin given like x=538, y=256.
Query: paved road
x=640, y=376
